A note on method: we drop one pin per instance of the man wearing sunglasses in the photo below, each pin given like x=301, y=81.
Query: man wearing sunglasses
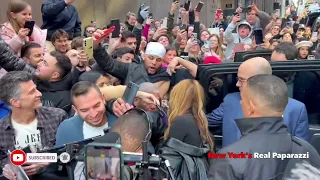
x=295, y=115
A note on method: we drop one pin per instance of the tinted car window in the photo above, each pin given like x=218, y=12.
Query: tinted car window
x=303, y=86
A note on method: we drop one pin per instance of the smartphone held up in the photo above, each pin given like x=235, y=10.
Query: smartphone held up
x=103, y=161
x=164, y=23
x=199, y=6
x=88, y=47
x=29, y=25
x=116, y=31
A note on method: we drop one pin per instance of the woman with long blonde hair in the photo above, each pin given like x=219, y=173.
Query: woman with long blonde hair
x=187, y=120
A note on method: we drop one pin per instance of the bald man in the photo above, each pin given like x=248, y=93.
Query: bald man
x=295, y=114
x=264, y=100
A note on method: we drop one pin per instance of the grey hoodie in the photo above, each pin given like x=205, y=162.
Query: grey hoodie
x=234, y=38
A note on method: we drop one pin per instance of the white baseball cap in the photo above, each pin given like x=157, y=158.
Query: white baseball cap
x=155, y=49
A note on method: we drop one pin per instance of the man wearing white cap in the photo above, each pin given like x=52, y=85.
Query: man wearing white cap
x=153, y=57
x=150, y=70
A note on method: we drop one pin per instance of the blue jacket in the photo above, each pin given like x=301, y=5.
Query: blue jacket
x=71, y=130
x=295, y=117
x=57, y=15
x=4, y=109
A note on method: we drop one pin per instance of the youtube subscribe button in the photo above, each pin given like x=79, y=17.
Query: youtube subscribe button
x=18, y=157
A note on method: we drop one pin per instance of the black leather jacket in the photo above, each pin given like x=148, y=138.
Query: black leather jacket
x=10, y=61
x=187, y=162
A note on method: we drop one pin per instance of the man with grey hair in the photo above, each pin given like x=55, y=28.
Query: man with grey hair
x=295, y=114
x=29, y=124
x=264, y=134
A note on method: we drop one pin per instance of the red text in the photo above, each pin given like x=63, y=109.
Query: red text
x=232, y=155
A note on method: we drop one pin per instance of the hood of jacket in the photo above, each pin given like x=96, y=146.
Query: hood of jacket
x=269, y=125
x=190, y=150
x=188, y=162
x=244, y=23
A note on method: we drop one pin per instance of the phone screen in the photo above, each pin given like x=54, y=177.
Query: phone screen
x=207, y=44
x=258, y=36
x=199, y=6
x=194, y=36
x=183, y=27
x=103, y=163
x=29, y=25
x=246, y=10
x=116, y=24
x=164, y=23
x=314, y=34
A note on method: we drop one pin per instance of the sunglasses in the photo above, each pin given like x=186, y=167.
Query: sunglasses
x=145, y=118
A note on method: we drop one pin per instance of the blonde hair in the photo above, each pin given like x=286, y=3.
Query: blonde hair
x=15, y=6
x=188, y=97
x=219, y=50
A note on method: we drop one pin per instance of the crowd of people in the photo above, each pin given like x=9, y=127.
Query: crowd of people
x=52, y=93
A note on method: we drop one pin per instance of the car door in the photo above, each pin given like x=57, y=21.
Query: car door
x=226, y=75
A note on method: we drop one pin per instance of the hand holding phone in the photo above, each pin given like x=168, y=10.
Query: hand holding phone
x=29, y=25
x=150, y=15
x=83, y=59
x=258, y=36
x=116, y=31
x=187, y=5
x=130, y=93
x=218, y=13
x=199, y=6
x=88, y=47
x=106, y=33
x=164, y=23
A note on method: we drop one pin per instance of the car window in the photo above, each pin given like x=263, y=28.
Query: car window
x=303, y=86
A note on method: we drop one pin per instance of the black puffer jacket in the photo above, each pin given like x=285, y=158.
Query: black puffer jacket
x=187, y=162
x=266, y=135
x=10, y=61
